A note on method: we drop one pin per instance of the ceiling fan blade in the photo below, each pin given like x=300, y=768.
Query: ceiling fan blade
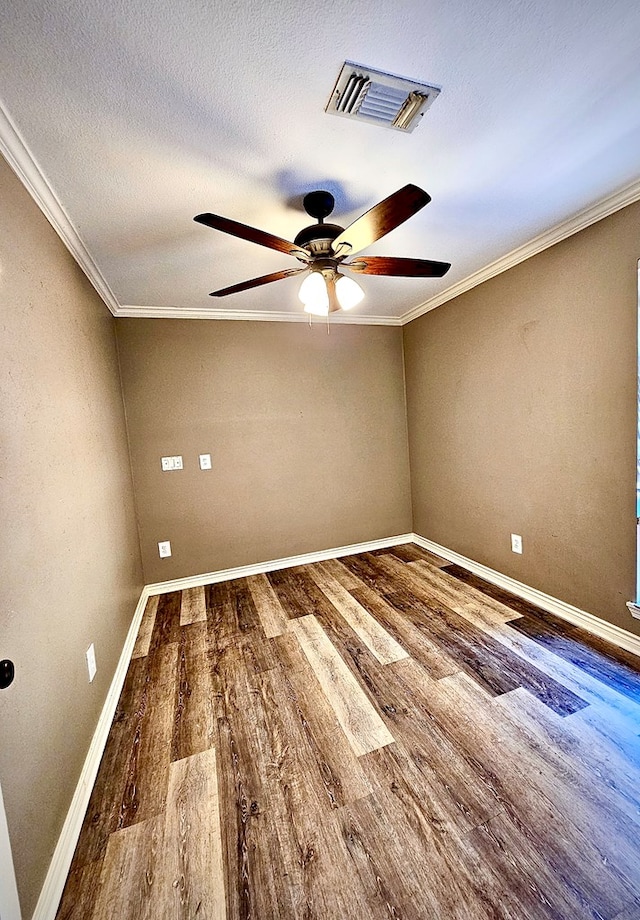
x=333, y=297
x=407, y=268
x=256, y=282
x=251, y=234
x=381, y=219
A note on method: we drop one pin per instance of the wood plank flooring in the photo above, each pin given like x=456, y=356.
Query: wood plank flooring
x=380, y=737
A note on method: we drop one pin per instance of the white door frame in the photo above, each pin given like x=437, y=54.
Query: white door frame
x=9, y=903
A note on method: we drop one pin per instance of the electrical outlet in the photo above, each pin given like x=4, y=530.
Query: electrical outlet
x=516, y=543
x=171, y=463
x=205, y=461
x=91, y=662
x=164, y=549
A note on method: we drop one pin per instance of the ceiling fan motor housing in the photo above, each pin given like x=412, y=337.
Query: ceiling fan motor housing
x=317, y=238
x=327, y=267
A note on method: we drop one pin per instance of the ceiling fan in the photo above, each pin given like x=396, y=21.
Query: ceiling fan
x=323, y=248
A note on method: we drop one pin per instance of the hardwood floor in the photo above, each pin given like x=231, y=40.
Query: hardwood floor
x=379, y=737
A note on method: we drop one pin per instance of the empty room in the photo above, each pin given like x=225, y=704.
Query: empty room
x=319, y=426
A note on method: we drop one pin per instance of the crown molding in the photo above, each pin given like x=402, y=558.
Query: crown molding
x=17, y=153
x=256, y=315
x=580, y=221
x=20, y=158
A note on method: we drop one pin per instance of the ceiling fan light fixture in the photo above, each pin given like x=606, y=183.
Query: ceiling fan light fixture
x=314, y=295
x=348, y=292
x=321, y=247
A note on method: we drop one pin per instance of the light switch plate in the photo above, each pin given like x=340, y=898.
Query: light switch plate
x=205, y=461
x=171, y=463
x=164, y=549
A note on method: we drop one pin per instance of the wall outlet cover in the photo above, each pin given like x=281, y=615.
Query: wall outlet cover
x=164, y=549
x=516, y=543
x=205, y=461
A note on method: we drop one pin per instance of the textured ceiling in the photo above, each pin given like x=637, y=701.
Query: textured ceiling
x=141, y=114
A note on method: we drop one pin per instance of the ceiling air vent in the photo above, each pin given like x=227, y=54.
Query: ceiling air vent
x=380, y=98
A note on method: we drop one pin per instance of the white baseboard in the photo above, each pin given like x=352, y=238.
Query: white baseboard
x=242, y=571
x=54, y=883
x=593, y=624
x=634, y=609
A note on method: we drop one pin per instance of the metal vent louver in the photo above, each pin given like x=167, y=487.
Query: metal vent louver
x=380, y=98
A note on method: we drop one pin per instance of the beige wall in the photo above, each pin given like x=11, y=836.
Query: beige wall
x=522, y=418
x=307, y=433
x=521, y=412
x=69, y=555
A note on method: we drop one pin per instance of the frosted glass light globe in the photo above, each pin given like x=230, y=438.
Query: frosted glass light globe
x=313, y=294
x=348, y=292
